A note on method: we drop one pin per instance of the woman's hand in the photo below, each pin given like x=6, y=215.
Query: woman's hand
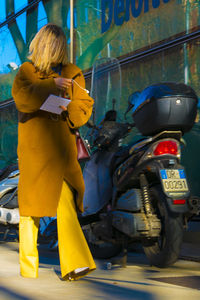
x=64, y=112
x=63, y=107
x=63, y=83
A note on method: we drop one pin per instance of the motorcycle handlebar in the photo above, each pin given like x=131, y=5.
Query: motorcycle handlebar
x=111, y=132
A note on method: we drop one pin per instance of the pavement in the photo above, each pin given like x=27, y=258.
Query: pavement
x=138, y=281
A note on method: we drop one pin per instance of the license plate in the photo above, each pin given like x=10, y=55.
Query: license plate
x=174, y=180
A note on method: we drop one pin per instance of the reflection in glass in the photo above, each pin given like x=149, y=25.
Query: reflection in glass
x=8, y=135
x=9, y=61
x=106, y=87
x=19, y=4
x=2, y=11
x=21, y=23
x=42, y=16
x=8, y=50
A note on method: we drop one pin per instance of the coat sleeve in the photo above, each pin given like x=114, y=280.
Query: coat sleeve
x=29, y=92
x=80, y=107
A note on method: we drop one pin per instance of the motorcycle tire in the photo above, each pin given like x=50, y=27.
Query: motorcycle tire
x=164, y=251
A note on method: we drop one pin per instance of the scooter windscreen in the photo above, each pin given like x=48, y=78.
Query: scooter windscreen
x=105, y=87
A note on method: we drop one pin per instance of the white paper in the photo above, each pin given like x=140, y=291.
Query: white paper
x=52, y=104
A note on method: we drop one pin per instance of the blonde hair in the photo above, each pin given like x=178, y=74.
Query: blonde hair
x=49, y=46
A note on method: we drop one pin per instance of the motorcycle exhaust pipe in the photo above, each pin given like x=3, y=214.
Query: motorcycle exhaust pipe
x=10, y=216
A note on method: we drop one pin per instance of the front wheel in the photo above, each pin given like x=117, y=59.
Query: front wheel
x=164, y=251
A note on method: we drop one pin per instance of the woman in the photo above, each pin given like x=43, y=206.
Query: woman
x=51, y=180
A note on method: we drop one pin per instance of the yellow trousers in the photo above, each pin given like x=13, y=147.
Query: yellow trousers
x=74, y=252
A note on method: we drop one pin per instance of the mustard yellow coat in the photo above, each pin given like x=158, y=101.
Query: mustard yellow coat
x=47, y=148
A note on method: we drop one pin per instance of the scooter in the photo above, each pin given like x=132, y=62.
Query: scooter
x=9, y=210
x=139, y=192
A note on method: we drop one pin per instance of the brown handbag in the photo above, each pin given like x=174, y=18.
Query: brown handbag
x=82, y=148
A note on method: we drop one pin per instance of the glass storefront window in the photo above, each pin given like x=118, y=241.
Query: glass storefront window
x=2, y=11
x=42, y=16
x=9, y=62
x=8, y=51
x=109, y=28
x=21, y=23
x=14, y=43
x=177, y=64
x=8, y=135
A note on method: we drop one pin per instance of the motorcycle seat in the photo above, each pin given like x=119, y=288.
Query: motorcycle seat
x=119, y=157
x=122, y=155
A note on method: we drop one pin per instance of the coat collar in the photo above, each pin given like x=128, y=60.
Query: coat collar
x=68, y=71
x=52, y=74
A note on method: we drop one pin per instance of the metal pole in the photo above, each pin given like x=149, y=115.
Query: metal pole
x=185, y=50
x=71, y=29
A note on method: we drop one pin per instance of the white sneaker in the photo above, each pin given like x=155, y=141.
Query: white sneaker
x=80, y=270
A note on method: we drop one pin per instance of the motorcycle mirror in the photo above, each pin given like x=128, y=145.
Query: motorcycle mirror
x=113, y=103
x=131, y=101
x=128, y=109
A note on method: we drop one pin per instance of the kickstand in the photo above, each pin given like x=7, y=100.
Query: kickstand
x=6, y=233
x=120, y=259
